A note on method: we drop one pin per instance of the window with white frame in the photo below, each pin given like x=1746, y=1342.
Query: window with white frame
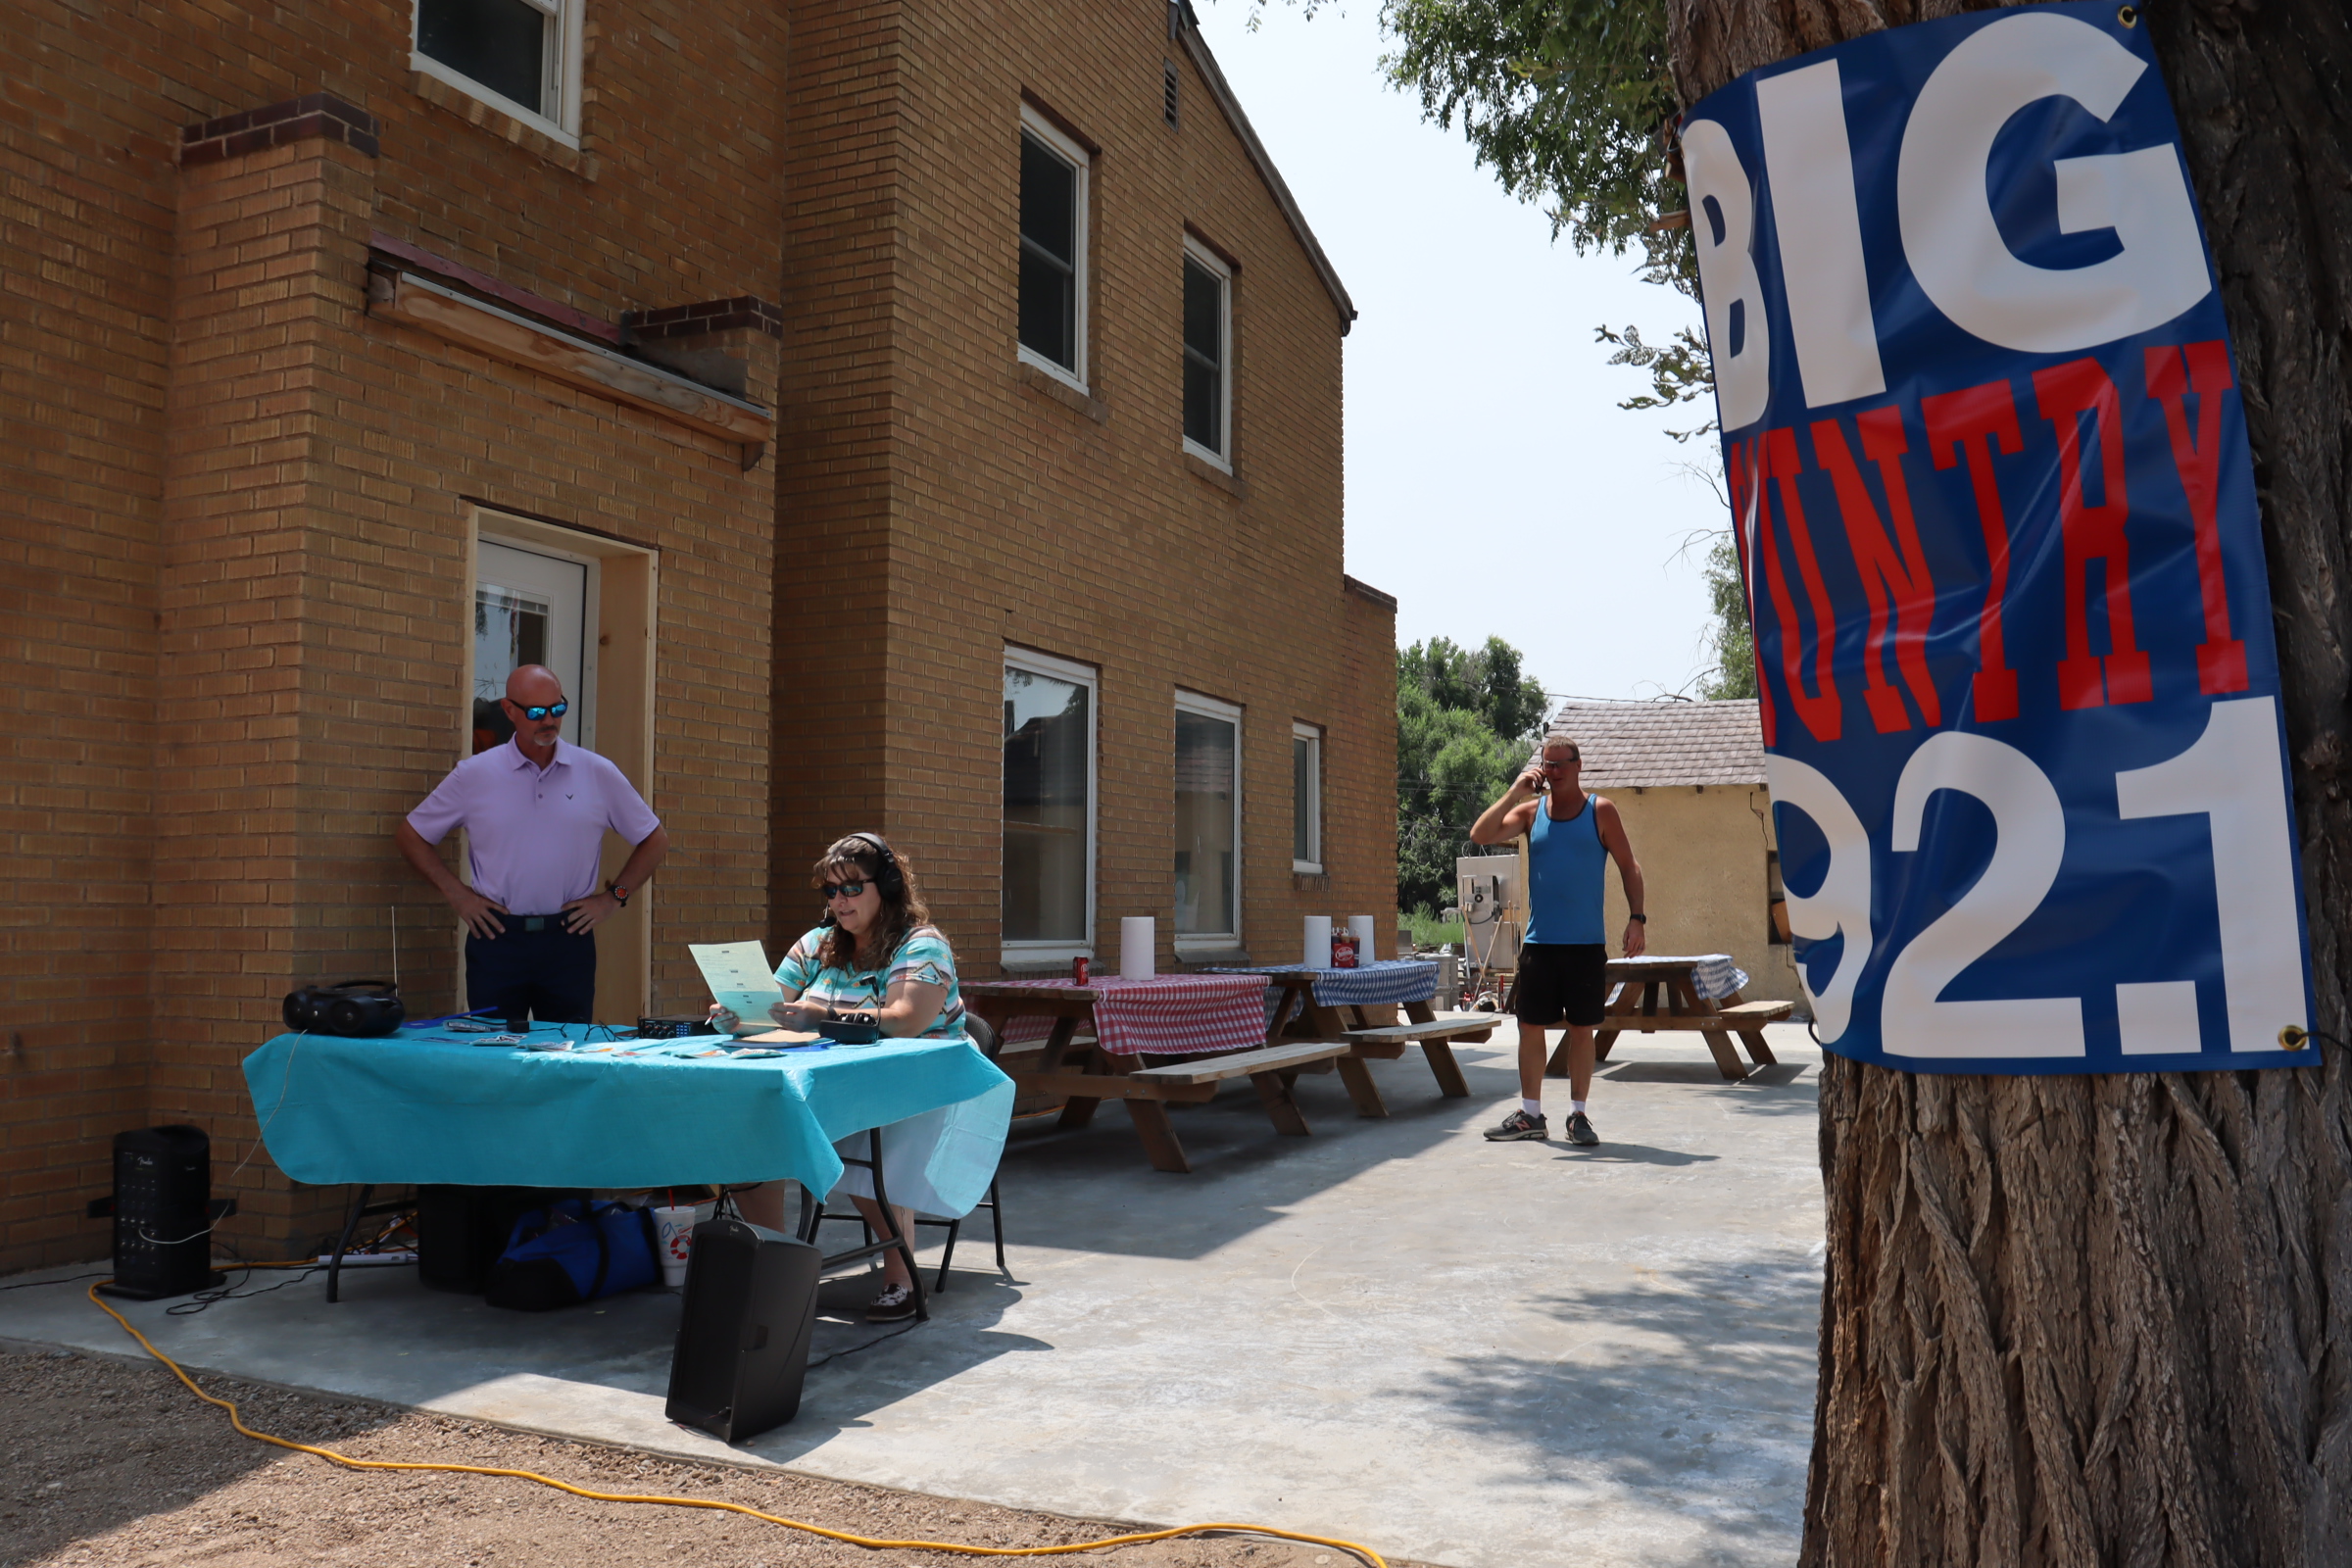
x=519, y=56
x=1049, y=907
x=1306, y=798
x=1207, y=355
x=1052, y=306
x=1208, y=822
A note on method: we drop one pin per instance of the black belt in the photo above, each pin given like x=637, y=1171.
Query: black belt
x=536, y=922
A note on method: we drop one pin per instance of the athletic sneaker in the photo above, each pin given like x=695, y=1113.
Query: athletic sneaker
x=1580, y=1129
x=1518, y=1124
x=895, y=1303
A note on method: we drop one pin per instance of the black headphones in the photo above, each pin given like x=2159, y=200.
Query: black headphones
x=889, y=880
x=356, y=1008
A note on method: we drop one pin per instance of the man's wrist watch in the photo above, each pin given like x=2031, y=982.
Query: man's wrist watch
x=1643, y=918
x=621, y=894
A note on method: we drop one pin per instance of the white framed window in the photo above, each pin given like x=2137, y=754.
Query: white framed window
x=1049, y=902
x=522, y=57
x=1306, y=798
x=1208, y=822
x=1207, y=356
x=1053, y=303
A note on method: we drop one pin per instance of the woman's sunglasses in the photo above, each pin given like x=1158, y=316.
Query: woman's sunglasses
x=847, y=890
x=535, y=713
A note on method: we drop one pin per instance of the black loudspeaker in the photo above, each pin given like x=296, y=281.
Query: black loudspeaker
x=162, y=1213
x=743, y=1339
x=356, y=1008
x=462, y=1230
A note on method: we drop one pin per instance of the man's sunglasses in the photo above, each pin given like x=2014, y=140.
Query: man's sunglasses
x=847, y=890
x=535, y=713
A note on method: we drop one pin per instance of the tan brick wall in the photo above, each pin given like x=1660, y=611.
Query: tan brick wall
x=240, y=508
x=943, y=488
x=247, y=518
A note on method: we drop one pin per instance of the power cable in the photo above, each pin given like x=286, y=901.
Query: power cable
x=1360, y=1552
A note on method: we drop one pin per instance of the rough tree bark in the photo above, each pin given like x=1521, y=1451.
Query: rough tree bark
x=2076, y=1320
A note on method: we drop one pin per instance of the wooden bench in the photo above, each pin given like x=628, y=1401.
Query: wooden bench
x=1435, y=1037
x=1149, y=1091
x=1746, y=1019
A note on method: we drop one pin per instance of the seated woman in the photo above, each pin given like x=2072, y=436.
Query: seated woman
x=876, y=953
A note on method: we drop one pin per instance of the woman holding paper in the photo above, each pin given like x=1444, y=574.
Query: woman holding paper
x=875, y=955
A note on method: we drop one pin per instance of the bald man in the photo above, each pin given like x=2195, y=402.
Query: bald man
x=535, y=813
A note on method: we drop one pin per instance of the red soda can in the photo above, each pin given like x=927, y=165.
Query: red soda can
x=1078, y=968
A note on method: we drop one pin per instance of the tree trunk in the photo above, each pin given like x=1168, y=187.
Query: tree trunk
x=2108, y=1319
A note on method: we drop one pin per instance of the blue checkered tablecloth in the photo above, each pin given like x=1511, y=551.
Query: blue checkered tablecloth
x=1713, y=975
x=1367, y=984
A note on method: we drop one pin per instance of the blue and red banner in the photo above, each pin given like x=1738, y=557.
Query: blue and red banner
x=1997, y=515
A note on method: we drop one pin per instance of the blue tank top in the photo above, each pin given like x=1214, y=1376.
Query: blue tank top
x=1564, y=861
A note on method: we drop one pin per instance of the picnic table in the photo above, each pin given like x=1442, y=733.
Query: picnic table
x=436, y=1106
x=1699, y=992
x=1213, y=1026
x=1331, y=1003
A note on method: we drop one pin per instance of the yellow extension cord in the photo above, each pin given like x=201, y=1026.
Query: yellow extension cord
x=1137, y=1539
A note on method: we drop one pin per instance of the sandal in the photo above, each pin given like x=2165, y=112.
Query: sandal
x=895, y=1303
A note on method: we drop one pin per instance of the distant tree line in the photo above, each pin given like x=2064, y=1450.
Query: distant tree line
x=1466, y=720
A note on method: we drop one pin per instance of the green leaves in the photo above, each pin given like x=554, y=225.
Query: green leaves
x=1567, y=101
x=1467, y=722
x=1734, y=639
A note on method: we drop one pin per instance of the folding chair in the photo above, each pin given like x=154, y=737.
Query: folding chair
x=986, y=1039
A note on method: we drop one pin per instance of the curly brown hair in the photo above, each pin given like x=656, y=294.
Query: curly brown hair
x=858, y=854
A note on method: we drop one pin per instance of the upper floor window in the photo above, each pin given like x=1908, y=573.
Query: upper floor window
x=1053, y=170
x=1207, y=356
x=519, y=56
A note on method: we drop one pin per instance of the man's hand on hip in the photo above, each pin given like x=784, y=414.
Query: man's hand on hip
x=480, y=914
x=582, y=915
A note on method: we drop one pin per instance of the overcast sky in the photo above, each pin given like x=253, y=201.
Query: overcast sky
x=1492, y=484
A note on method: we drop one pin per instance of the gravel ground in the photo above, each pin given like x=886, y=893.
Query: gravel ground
x=105, y=1461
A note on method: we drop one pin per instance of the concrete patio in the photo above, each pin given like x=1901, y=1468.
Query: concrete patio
x=1473, y=1355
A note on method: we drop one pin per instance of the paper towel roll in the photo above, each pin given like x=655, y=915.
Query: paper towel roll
x=1360, y=926
x=1138, y=939
x=1318, y=942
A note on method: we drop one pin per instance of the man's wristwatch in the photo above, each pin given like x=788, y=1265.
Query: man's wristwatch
x=1643, y=918
x=621, y=894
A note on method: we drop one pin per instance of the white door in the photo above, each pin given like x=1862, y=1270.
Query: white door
x=531, y=608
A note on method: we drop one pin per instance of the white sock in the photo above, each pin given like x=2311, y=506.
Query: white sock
x=1575, y=1107
x=1534, y=1107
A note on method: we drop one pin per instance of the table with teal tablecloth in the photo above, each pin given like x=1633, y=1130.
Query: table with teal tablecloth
x=427, y=1107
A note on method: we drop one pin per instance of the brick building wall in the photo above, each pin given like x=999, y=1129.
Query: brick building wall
x=242, y=502
x=949, y=501
x=241, y=514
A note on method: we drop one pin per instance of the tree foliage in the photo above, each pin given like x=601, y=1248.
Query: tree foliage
x=1732, y=640
x=1465, y=722
x=1568, y=101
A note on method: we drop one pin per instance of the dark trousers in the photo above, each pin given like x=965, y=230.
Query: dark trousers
x=550, y=971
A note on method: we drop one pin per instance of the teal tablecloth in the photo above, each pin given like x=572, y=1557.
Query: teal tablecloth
x=424, y=1107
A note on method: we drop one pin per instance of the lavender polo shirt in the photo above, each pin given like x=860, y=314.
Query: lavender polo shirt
x=534, y=838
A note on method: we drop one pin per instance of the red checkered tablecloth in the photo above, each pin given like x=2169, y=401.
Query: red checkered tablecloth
x=1166, y=1015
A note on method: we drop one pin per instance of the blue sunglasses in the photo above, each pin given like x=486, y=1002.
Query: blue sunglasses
x=536, y=712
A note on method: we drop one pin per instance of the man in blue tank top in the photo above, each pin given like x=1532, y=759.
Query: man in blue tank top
x=1563, y=962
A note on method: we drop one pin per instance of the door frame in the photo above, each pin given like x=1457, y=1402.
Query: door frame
x=618, y=673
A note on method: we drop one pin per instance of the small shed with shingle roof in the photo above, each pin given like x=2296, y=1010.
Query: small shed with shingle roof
x=1687, y=779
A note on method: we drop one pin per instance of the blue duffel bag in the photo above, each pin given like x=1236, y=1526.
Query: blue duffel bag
x=571, y=1252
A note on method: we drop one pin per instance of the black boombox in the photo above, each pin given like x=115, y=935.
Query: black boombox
x=357, y=1009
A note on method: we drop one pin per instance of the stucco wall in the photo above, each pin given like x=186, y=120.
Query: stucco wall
x=1703, y=850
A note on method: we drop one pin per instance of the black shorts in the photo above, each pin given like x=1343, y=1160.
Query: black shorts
x=1561, y=982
